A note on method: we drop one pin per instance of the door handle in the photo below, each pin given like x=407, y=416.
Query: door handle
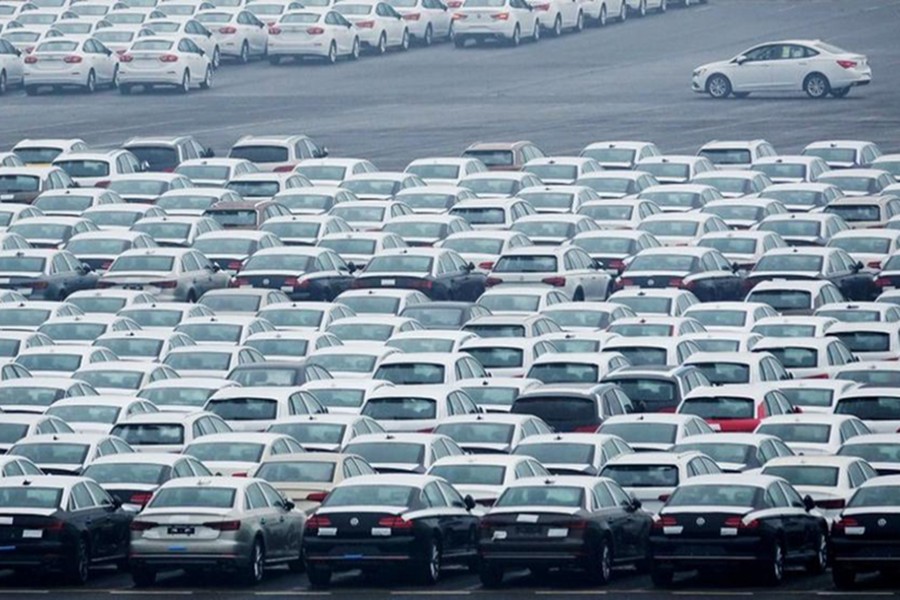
x=262, y=521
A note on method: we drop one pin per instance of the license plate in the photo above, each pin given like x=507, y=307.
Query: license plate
x=133, y=287
x=388, y=282
x=4, y=281
x=6, y=196
x=287, y=288
x=181, y=530
x=32, y=534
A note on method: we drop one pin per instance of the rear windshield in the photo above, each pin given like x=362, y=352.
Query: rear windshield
x=870, y=408
x=556, y=409
x=726, y=156
x=497, y=357
x=387, y=452
x=808, y=397
x=244, y=409
x=719, y=408
x=809, y=433
x=796, y=358
x=876, y=495
x=55, y=453
x=225, y=451
x=478, y=433
x=526, y=264
x=296, y=472
x=643, y=432
x=805, y=475
x=30, y=497
x=720, y=373
x=565, y=373
x=371, y=495
x=781, y=299
x=642, y=475
x=865, y=341
x=470, y=474
x=400, y=409
x=150, y=434
x=491, y=158
x=143, y=473
x=542, y=496
x=558, y=453
x=411, y=374
x=715, y=495
x=200, y=497
x=260, y=154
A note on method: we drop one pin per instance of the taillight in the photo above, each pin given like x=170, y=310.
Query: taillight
x=366, y=24
x=273, y=30
x=105, y=284
x=504, y=16
x=490, y=281
x=102, y=184
x=239, y=282
x=836, y=503
x=874, y=264
x=486, y=265
x=142, y=525
x=315, y=31
x=554, y=281
x=585, y=429
x=454, y=4
x=738, y=523
x=228, y=30
x=126, y=58
x=29, y=49
x=223, y=525
x=847, y=64
x=40, y=285
x=291, y=281
x=422, y=284
x=168, y=58
x=140, y=498
x=239, y=474
x=288, y=168
x=166, y=285
x=72, y=59
x=676, y=282
x=121, y=51
x=663, y=497
x=412, y=17
x=317, y=496
x=882, y=282
x=52, y=525
x=30, y=60
x=235, y=264
x=544, y=7
x=615, y=264
x=106, y=264
x=624, y=282
x=664, y=521
x=818, y=376
x=395, y=523
x=317, y=522
x=458, y=16
x=843, y=523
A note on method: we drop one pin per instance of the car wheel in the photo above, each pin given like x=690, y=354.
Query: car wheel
x=428, y=38
x=319, y=577
x=216, y=58
x=663, y=6
x=143, y=577
x=256, y=565
x=185, y=86
x=90, y=86
x=642, y=10
x=843, y=577
x=245, y=53
x=661, y=578
x=773, y=571
x=491, y=576
x=579, y=22
x=718, y=86
x=623, y=12
x=601, y=562
x=382, y=44
x=536, y=36
x=602, y=18
x=840, y=92
x=820, y=561
x=297, y=566
x=404, y=41
x=516, y=38
x=332, y=54
x=430, y=569
x=115, y=79
x=578, y=296
x=191, y=297
x=207, y=79
x=79, y=567
x=816, y=86
x=354, y=51
x=3, y=83
x=687, y=3
x=557, y=26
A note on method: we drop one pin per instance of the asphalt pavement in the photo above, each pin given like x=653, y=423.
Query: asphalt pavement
x=629, y=81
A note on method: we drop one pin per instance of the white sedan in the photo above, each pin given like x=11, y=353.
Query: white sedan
x=427, y=20
x=239, y=34
x=192, y=29
x=12, y=70
x=154, y=61
x=379, y=25
x=497, y=20
x=811, y=66
x=58, y=62
x=313, y=33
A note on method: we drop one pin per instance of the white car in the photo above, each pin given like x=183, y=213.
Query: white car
x=808, y=358
x=58, y=62
x=378, y=24
x=507, y=356
x=567, y=268
x=815, y=395
x=239, y=33
x=844, y=154
x=791, y=169
x=521, y=300
x=620, y=154
x=482, y=248
x=98, y=414
x=729, y=316
x=723, y=368
x=869, y=341
x=485, y=476
x=647, y=432
x=428, y=20
x=159, y=61
x=556, y=15
x=317, y=34
x=811, y=66
x=499, y=20
x=878, y=407
x=192, y=29
x=813, y=434
x=734, y=183
x=12, y=67
x=417, y=408
x=444, y=170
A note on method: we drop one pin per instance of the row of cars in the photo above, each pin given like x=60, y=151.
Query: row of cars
x=51, y=44
x=460, y=382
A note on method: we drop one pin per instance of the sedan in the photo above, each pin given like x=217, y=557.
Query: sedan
x=824, y=264
x=321, y=34
x=157, y=61
x=811, y=66
x=175, y=274
x=58, y=62
x=44, y=274
x=12, y=72
x=506, y=21
x=705, y=272
x=301, y=273
x=239, y=34
x=440, y=274
x=378, y=24
x=567, y=268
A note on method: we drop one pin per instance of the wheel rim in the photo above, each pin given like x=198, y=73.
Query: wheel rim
x=816, y=86
x=822, y=554
x=355, y=48
x=602, y=15
x=434, y=563
x=605, y=562
x=2, y=83
x=717, y=87
x=778, y=563
x=405, y=41
x=245, y=53
x=332, y=54
x=382, y=43
x=515, y=37
x=186, y=82
x=557, y=26
x=257, y=563
x=428, y=35
x=216, y=58
x=82, y=561
x=207, y=81
x=90, y=82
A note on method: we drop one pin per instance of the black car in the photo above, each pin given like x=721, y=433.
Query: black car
x=720, y=521
x=446, y=315
x=438, y=273
x=420, y=522
x=572, y=407
x=303, y=273
x=657, y=388
x=575, y=522
x=60, y=523
x=810, y=263
x=703, y=271
x=866, y=536
x=45, y=274
x=277, y=373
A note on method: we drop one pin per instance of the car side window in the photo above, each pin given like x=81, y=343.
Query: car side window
x=604, y=496
x=80, y=498
x=777, y=495
x=254, y=498
x=433, y=497
x=273, y=498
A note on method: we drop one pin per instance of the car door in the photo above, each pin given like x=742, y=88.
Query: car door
x=257, y=509
x=14, y=63
x=793, y=64
x=607, y=508
x=113, y=522
x=752, y=71
x=288, y=533
x=440, y=17
x=88, y=516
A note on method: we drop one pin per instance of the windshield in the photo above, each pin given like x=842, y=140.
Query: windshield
x=870, y=408
x=805, y=474
x=491, y=158
x=244, y=409
x=400, y=409
x=150, y=434
x=225, y=451
x=720, y=373
x=719, y=408
x=808, y=396
x=873, y=452
x=296, y=472
x=97, y=246
x=642, y=432
x=784, y=329
x=571, y=497
x=67, y=363
x=199, y=497
x=642, y=475
x=154, y=317
x=73, y=331
x=548, y=172
x=480, y=215
x=361, y=332
x=797, y=197
x=55, y=453
x=10, y=433
x=30, y=497
x=199, y=172
x=607, y=212
x=387, y=452
x=744, y=496
x=796, y=358
x=644, y=356
x=360, y=214
x=142, y=473
x=86, y=414
x=809, y=433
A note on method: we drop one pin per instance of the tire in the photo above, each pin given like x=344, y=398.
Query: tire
x=602, y=18
x=191, y=297
x=319, y=577
x=3, y=83
x=185, y=86
x=207, y=79
x=404, y=42
x=661, y=578
x=254, y=571
x=143, y=577
x=718, y=86
x=623, y=12
x=816, y=86
x=78, y=570
x=491, y=576
x=579, y=22
x=642, y=10
x=332, y=54
x=216, y=58
x=840, y=92
x=843, y=578
x=557, y=26
x=600, y=563
x=244, y=57
x=381, y=48
x=430, y=568
x=114, y=84
x=536, y=36
x=663, y=7
x=773, y=569
x=516, y=38
x=354, y=51
x=819, y=562
x=428, y=38
x=90, y=86
x=578, y=296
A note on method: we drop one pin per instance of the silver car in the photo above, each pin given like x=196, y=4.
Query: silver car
x=174, y=274
x=239, y=525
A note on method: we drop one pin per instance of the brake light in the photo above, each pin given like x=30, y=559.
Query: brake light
x=238, y=474
x=676, y=282
x=228, y=30
x=140, y=498
x=142, y=525
x=223, y=525
x=615, y=264
x=624, y=282
x=882, y=282
x=843, y=523
x=847, y=64
x=105, y=284
x=486, y=265
x=168, y=58
x=315, y=31
x=818, y=376
x=541, y=6
x=53, y=525
x=126, y=58
x=585, y=429
x=102, y=184
x=121, y=51
x=836, y=503
x=273, y=30
x=395, y=523
x=239, y=282
x=291, y=281
x=579, y=524
x=30, y=60
x=504, y=16
x=317, y=522
x=72, y=59
x=366, y=24
x=29, y=49
x=554, y=281
x=427, y=430
x=454, y=4
x=317, y=496
x=874, y=264
x=288, y=168
x=166, y=285
x=664, y=521
x=106, y=264
x=422, y=284
x=663, y=497
x=412, y=17
x=234, y=264
x=738, y=523
x=458, y=16
x=490, y=281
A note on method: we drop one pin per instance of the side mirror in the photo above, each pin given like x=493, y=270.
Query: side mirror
x=288, y=505
x=323, y=152
x=634, y=506
x=216, y=267
x=352, y=267
x=740, y=59
x=207, y=152
x=858, y=266
x=796, y=410
x=85, y=268
x=808, y=503
x=470, y=267
x=145, y=166
x=596, y=264
x=470, y=502
x=735, y=267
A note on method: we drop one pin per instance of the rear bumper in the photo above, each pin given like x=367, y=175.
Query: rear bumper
x=176, y=554
x=345, y=554
x=299, y=48
x=47, y=555
x=688, y=553
x=540, y=552
x=161, y=77
x=866, y=554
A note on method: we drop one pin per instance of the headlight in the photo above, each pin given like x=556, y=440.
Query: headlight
x=699, y=72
